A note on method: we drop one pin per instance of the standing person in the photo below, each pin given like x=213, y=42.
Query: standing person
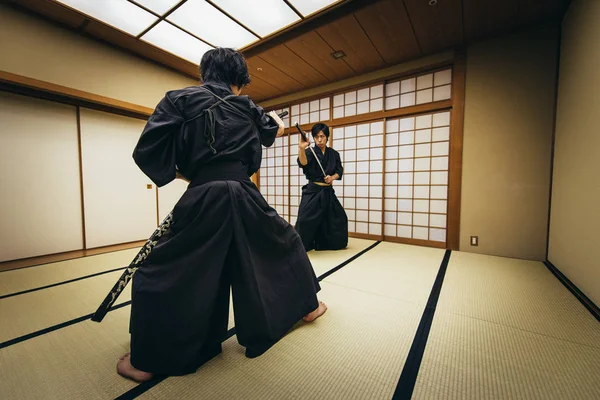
x=322, y=222
x=224, y=234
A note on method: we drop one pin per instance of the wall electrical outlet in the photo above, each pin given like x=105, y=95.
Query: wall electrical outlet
x=474, y=240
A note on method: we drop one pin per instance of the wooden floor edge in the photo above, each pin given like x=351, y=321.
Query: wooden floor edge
x=68, y=255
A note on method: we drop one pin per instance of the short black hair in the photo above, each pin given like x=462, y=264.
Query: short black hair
x=318, y=128
x=224, y=65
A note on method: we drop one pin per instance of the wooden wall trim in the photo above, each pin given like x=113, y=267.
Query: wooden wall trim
x=427, y=108
x=36, y=88
x=459, y=73
x=79, y=149
x=415, y=242
x=364, y=236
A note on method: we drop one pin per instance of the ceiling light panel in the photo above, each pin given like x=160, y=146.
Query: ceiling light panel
x=307, y=7
x=210, y=24
x=158, y=6
x=119, y=14
x=177, y=42
x=271, y=16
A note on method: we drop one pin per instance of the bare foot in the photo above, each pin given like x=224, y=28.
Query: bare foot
x=317, y=313
x=124, y=368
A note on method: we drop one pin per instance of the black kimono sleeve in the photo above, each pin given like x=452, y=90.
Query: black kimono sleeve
x=339, y=169
x=267, y=126
x=155, y=152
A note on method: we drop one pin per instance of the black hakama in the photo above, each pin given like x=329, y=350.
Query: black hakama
x=224, y=235
x=322, y=221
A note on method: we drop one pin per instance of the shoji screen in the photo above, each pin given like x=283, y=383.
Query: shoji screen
x=274, y=176
x=118, y=205
x=416, y=177
x=361, y=101
x=422, y=89
x=361, y=189
x=40, y=205
x=311, y=112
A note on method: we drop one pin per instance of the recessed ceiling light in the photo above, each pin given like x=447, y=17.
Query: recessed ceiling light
x=269, y=17
x=433, y=2
x=119, y=14
x=307, y=7
x=158, y=6
x=208, y=23
x=177, y=42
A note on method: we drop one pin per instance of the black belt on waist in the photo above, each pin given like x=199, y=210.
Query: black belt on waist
x=220, y=171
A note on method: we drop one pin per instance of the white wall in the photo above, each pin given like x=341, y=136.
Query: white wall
x=40, y=204
x=118, y=206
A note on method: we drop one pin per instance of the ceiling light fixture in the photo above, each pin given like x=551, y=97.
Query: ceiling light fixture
x=338, y=54
x=433, y=2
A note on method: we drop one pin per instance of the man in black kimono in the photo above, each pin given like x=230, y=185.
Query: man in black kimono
x=322, y=222
x=224, y=234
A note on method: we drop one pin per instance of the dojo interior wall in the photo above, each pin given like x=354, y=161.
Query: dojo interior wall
x=54, y=200
x=488, y=189
x=508, y=127
x=574, y=222
x=69, y=181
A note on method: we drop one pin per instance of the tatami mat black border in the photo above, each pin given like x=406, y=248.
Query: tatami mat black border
x=55, y=327
x=60, y=283
x=586, y=301
x=408, y=377
x=145, y=386
x=348, y=261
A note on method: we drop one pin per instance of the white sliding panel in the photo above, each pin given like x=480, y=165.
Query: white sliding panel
x=119, y=208
x=169, y=195
x=40, y=205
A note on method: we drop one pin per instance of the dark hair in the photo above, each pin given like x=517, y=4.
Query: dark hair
x=224, y=65
x=318, y=128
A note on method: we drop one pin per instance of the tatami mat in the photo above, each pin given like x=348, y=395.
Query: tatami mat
x=467, y=358
x=355, y=351
x=76, y=362
x=33, y=277
x=323, y=261
x=38, y=310
x=394, y=270
x=516, y=293
x=503, y=329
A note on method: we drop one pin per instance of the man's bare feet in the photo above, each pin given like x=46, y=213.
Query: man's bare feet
x=317, y=313
x=124, y=368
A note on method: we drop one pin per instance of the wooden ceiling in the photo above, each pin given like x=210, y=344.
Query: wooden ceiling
x=373, y=34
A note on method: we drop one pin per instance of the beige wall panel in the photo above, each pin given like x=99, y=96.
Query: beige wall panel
x=118, y=206
x=509, y=114
x=575, y=215
x=169, y=195
x=40, y=204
